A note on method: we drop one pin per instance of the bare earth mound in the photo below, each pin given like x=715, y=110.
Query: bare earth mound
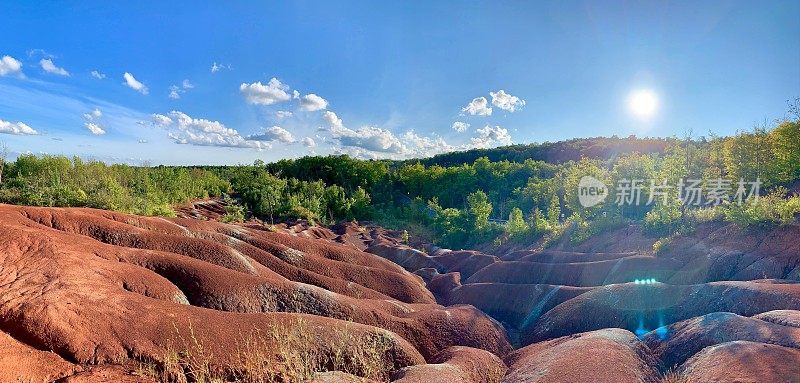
x=95, y=296
x=721, y=285
x=101, y=288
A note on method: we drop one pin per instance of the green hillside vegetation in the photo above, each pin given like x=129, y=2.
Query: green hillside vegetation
x=519, y=193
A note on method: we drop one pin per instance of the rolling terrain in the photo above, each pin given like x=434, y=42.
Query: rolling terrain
x=90, y=295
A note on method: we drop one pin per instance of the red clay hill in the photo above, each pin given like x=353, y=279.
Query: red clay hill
x=95, y=296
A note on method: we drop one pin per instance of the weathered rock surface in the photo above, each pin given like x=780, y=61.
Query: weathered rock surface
x=455, y=364
x=92, y=296
x=604, y=356
x=745, y=362
x=102, y=288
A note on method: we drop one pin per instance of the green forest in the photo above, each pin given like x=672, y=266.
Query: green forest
x=519, y=193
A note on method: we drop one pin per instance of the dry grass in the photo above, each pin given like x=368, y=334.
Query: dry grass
x=672, y=376
x=283, y=354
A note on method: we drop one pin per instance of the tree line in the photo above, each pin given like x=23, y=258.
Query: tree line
x=511, y=194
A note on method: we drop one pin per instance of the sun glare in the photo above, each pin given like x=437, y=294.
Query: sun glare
x=643, y=104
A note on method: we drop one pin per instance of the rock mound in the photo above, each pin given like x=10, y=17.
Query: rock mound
x=108, y=289
x=603, y=356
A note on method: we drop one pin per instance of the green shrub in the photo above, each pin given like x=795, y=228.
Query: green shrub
x=586, y=229
x=234, y=212
x=516, y=225
x=771, y=209
x=663, y=219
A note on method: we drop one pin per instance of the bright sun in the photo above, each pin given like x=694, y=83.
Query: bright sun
x=643, y=103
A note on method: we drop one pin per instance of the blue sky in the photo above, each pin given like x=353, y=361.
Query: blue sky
x=383, y=79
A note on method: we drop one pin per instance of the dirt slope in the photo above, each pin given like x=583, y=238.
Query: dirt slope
x=692, y=305
x=82, y=287
x=95, y=296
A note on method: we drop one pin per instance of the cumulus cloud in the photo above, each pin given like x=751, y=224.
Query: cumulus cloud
x=50, y=67
x=368, y=138
x=295, y=94
x=375, y=142
x=94, y=128
x=185, y=129
x=460, y=127
x=275, y=133
x=371, y=138
x=422, y=146
x=186, y=84
x=16, y=128
x=308, y=142
x=312, y=102
x=134, y=84
x=260, y=94
x=283, y=114
x=161, y=120
x=506, y=102
x=91, y=122
x=10, y=66
x=334, y=122
x=478, y=106
x=491, y=136
x=98, y=75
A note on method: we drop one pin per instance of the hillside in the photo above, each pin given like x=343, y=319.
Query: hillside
x=91, y=295
x=598, y=148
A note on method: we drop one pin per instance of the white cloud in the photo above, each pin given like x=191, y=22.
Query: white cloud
x=426, y=146
x=283, y=114
x=312, y=102
x=308, y=142
x=478, y=106
x=275, y=133
x=260, y=94
x=505, y=101
x=295, y=94
x=9, y=66
x=218, y=67
x=98, y=75
x=161, y=120
x=375, y=142
x=92, y=122
x=367, y=137
x=460, y=127
x=371, y=138
x=94, y=128
x=16, y=128
x=175, y=92
x=39, y=52
x=50, y=67
x=334, y=122
x=202, y=132
x=491, y=136
x=134, y=84
x=95, y=114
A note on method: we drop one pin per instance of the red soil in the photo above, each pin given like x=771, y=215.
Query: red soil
x=101, y=288
x=604, y=356
x=90, y=296
x=721, y=285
